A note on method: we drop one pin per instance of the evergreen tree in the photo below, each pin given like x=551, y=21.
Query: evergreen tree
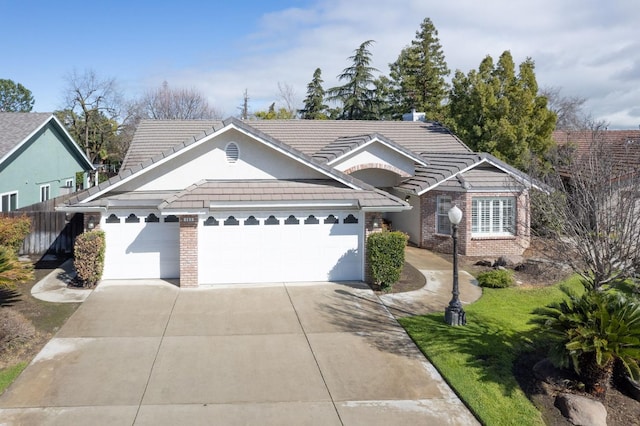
x=494, y=110
x=314, y=107
x=419, y=75
x=14, y=97
x=357, y=94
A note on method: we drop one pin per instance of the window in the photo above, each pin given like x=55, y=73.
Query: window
x=132, y=218
x=271, y=220
x=211, y=221
x=331, y=219
x=113, y=219
x=291, y=220
x=231, y=221
x=311, y=220
x=493, y=216
x=251, y=220
x=9, y=202
x=152, y=218
x=44, y=192
x=171, y=219
x=68, y=183
x=443, y=225
x=350, y=219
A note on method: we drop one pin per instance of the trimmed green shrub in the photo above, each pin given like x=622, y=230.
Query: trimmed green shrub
x=385, y=254
x=496, y=278
x=11, y=269
x=88, y=253
x=13, y=231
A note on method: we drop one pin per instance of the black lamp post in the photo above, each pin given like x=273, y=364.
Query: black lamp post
x=454, y=314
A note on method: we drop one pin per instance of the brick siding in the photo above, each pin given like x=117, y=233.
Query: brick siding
x=189, y=251
x=469, y=245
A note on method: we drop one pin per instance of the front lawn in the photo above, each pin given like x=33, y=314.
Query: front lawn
x=477, y=359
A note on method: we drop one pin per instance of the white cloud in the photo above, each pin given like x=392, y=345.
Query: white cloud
x=588, y=48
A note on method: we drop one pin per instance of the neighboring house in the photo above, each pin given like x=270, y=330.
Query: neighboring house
x=621, y=148
x=38, y=159
x=232, y=201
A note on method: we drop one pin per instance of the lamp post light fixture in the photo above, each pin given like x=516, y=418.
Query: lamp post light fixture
x=454, y=314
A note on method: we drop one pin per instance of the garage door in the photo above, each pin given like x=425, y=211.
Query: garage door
x=280, y=246
x=141, y=245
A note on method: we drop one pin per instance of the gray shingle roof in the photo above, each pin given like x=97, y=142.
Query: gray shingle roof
x=202, y=194
x=16, y=126
x=308, y=136
x=343, y=145
x=481, y=171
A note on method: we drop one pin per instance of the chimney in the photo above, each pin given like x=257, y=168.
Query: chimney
x=414, y=116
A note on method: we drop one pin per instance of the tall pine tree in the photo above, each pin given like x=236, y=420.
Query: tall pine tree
x=357, y=95
x=314, y=107
x=419, y=75
x=496, y=111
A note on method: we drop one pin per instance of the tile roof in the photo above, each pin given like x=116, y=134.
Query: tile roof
x=308, y=136
x=16, y=126
x=464, y=170
x=623, y=146
x=202, y=194
x=343, y=145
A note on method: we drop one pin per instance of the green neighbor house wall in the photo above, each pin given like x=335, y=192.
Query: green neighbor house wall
x=48, y=157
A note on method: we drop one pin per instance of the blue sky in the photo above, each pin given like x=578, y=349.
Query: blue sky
x=588, y=48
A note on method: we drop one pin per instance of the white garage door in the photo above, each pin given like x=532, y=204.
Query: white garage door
x=280, y=246
x=141, y=245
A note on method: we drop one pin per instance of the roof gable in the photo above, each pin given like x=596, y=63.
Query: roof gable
x=172, y=153
x=306, y=136
x=466, y=171
x=18, y=128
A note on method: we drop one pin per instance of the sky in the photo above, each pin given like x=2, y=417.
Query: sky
x=585, y=48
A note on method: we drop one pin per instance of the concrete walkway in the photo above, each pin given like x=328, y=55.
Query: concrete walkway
x=436, y=294
x=150, y=353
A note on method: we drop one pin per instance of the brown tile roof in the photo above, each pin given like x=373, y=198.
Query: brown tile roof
x=622, y=146
x=308, y=136
x=16, y=126
x=202, y=194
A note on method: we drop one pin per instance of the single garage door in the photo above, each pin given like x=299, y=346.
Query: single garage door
x=255, y=247
x=141, y=245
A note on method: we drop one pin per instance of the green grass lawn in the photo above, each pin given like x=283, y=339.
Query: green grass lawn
x=477, y=359
x=8, y=375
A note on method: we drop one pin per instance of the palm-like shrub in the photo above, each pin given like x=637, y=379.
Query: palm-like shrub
x=13, y=271
x=590, y=332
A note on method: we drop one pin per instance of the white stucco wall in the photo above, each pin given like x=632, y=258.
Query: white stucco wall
x=376, y=153
x=208, y=161
x=407, y=221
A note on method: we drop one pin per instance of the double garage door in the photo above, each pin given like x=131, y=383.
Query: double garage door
x=240, y=247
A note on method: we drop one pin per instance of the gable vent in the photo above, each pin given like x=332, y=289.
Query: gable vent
x=232, y=152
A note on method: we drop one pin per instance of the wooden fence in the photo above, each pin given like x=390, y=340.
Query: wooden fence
x=52, y=232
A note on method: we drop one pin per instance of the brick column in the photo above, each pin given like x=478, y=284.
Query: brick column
x=189, y=251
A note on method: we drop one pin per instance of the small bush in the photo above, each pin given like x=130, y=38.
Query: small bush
x=12, y=270
x=13, y=231
x=15, y=330
x=496, y=278
x=385, y=253
x=88, y=253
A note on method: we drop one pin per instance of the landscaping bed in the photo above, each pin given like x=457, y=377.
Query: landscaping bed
x=33, y=323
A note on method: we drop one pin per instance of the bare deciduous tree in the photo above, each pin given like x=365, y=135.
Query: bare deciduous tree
x=92, y=112
x=287, y=95
x=166, y=103
x=592, y=219
x=569, y=109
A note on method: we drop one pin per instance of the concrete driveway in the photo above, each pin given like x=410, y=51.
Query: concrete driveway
x=149, y=353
